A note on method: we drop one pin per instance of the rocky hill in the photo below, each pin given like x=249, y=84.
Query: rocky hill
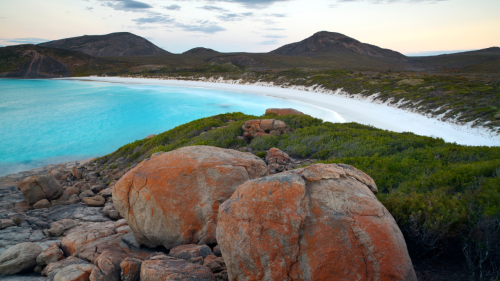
x=31, y=61
x=200, y=50
x=109, y=45
x=332, y=42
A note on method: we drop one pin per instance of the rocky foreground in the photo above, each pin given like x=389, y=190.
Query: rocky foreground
x=200, y=213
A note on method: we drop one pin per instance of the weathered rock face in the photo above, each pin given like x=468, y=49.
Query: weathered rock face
x=20, y=258
x=312, y=223
x=75, y=272
x=50, y=255
x=258, y=128
x=172, y=270
x=173, y=198
x=40, y=187
x=283, y=111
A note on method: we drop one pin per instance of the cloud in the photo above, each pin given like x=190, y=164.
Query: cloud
x=388, y=1
x=434, y=53
x=173, y=7
x=268, y=42
x=273, y=36
x=26, y=40
x=234, y=17
x=126, y=5
x=254, y=4
x=154, y=20
x=276, y=15
x=273, y=29
x=204, y=27
x=213, y=8
x=89, y=8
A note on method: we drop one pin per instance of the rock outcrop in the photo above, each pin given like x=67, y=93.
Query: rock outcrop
x=283, y=111
x=173, y=198
x=258, y=128
x=173, y=269
x=277, y=161
x=314, y=223
x=40, y=187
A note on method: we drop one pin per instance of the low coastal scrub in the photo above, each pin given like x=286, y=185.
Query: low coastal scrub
x=451, y=98
x=442, y=195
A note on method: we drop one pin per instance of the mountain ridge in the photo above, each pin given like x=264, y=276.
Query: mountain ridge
x=328, y=42
x=108, y=45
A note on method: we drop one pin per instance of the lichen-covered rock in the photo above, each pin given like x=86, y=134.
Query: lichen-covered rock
x=131, y=269
x=283, y=111
x=173, y=198
x=189, y=251
x=316, y=223
x=52, y=254
x=277, y=161
x=108, y=267
x=53, y=268
x=174, y=270
x=36, y=188
x=83, y=235
x=76, y=272
x=258, y=128
x=19, y=258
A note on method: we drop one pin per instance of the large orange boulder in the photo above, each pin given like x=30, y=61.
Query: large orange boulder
x=322, y=222
x=283, y=111
x=173, y=198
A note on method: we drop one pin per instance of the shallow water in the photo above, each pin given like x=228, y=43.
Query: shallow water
x=50, y=121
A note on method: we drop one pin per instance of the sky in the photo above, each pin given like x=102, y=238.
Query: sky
x=412, y=27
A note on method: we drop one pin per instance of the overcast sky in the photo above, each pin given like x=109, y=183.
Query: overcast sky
x=407, y=26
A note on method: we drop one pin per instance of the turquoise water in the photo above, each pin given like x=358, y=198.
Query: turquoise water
x=51, y=121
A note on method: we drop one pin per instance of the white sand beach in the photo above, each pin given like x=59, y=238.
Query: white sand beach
x=341, y=108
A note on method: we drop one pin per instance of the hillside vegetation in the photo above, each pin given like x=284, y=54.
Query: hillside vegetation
x=445, y=197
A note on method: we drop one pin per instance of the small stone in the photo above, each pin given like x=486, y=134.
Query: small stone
x=108, y=192
x=214, y=264
x=129, y=239
x=221, y=276
x=36, y=236
x=217, y=251
x=73, y=199
x=124, y=229
x=4, y=223
x=42, y=204
x=120, y=223
x=98, y=188
x=95, y=201
x=60, y=226
x=87, y=193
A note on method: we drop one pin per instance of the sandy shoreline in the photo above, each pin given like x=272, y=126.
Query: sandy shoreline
x=342, y=108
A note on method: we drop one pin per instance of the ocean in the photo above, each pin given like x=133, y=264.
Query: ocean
x=51, y=121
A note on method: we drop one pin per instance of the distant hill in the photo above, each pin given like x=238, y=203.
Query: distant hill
x=32, y=61
x=110, y=45
x=331, y=42
x=200, y=50
x=487, y=51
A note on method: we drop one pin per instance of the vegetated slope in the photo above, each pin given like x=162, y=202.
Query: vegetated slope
x=479, y=61
x=31, y=61
x=201, y=50
x=444, y=196
x=114, y=44
x=324, y=42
